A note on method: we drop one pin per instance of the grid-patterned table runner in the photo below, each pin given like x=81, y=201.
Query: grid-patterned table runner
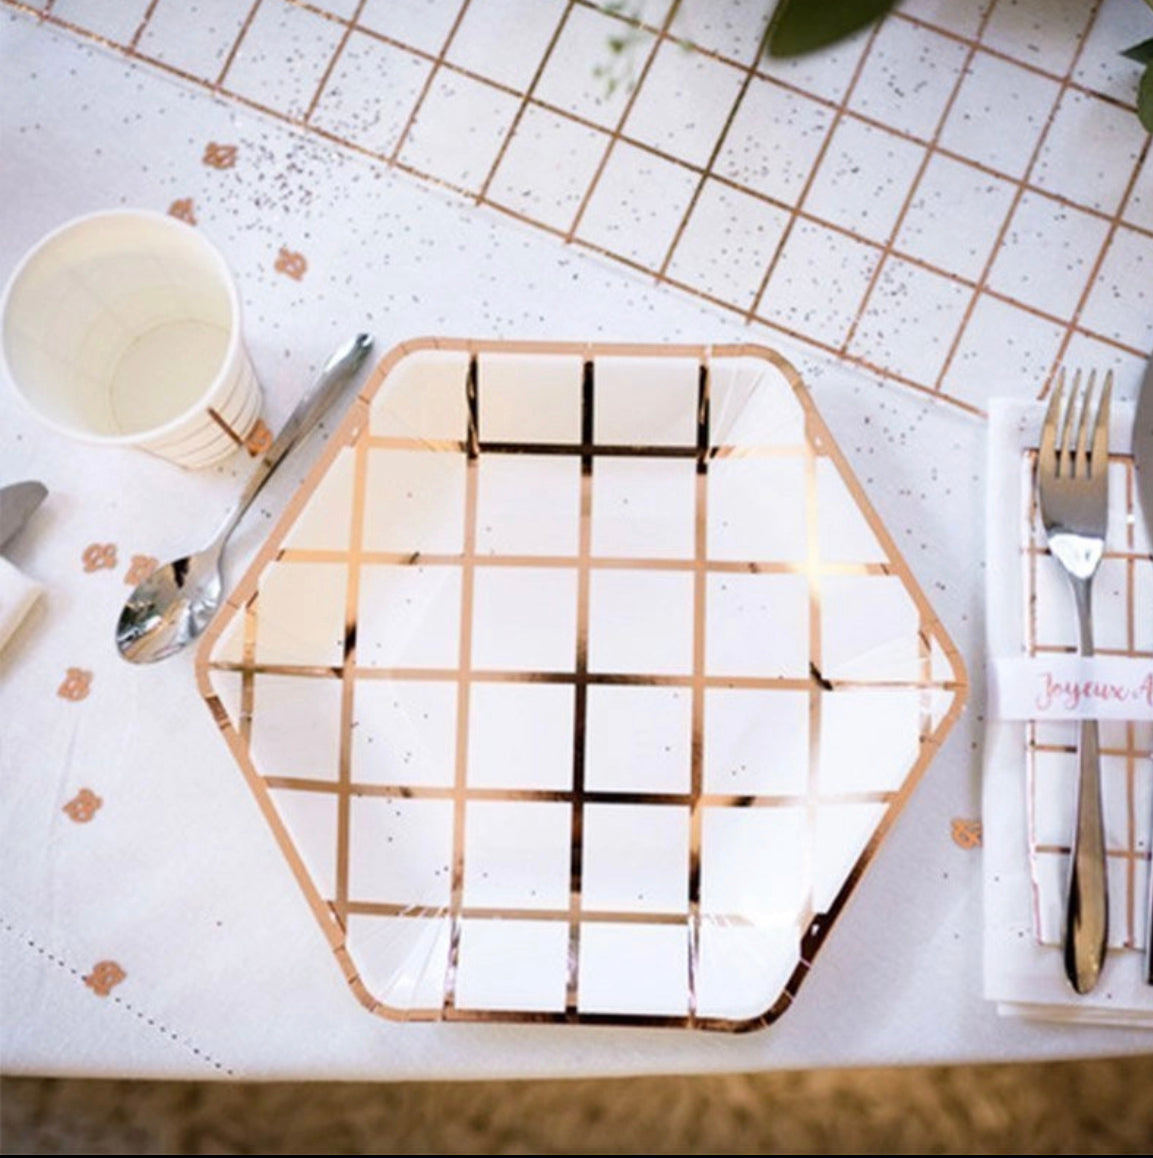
x=958, y=199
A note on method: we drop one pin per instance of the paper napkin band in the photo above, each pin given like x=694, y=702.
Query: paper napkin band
x=1070, y=687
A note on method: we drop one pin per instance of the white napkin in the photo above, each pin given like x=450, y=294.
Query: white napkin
x=18, y=594
x=1029, y=786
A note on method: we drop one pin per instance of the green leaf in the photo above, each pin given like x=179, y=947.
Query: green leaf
x=1142, y=53
x=1145, y=98
x=800, y=26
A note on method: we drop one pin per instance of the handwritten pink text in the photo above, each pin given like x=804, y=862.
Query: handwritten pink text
x=1072, y=694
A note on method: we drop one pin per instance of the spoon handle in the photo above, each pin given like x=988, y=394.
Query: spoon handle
x=309, y=410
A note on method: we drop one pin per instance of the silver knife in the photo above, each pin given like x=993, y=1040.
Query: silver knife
x=1143, y=461
x=17, y=502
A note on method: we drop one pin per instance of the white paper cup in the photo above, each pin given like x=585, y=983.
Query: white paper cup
x=123, y=328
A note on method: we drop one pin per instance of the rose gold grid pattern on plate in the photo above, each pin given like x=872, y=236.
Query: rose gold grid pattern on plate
x=943, y=382
x=333, y=911
x=1131, y=748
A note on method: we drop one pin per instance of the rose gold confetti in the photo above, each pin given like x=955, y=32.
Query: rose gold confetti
x=140, y=568
x=105, y=976
x=291, y=264
x=99, y=556
x=966, y=833
x=183, y=208
x=259, y=438
x=219, y=156
x=76, y=684
x=83, y=806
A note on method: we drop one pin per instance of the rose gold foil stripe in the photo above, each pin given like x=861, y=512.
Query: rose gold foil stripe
x=1106, y=750
x=819, y=685
x=348, y=673
x=567, y=795
x=223, y=425
x=1069, y=649
x=204, y=440
x=463, y=677
x=580, y=449
x=597, y=916
x=580, y=692
x=1115, y=853
x=608, y=679
x=247, y=678
x=697, y=742
x=598, y=562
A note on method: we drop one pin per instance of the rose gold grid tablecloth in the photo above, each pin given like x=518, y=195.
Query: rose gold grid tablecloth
x=970, y=180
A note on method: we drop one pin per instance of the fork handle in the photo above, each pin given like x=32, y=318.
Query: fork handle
x=1087, y=910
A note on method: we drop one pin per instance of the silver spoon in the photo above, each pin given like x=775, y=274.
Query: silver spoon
x=172, y=606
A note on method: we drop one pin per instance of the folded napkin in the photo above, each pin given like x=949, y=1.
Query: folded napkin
x=18, y=594
x=1030, y=763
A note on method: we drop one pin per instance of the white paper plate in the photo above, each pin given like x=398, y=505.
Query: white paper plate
x=579, y=683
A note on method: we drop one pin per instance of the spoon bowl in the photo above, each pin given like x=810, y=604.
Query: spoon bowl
x=170, y=608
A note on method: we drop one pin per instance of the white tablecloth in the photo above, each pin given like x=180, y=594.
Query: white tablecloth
x=161, y=933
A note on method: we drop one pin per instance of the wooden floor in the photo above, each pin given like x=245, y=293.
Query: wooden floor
x=1099, y=1107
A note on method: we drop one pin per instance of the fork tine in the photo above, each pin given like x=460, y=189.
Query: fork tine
x=1065, y=460
x=1099, y=454
x=1081, y=459
x=1047, y=460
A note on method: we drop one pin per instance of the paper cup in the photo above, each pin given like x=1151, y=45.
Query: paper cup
x=123, y=329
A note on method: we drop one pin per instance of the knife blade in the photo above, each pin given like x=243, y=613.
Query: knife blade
x=17, y=503
x=1143, y=462
x=1143, y=446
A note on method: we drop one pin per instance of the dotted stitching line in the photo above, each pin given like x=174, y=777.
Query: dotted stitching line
x=160, y=1027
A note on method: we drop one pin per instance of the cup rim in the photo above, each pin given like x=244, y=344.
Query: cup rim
x=164, y=221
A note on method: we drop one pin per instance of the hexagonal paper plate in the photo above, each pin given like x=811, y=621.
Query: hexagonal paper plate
x=579, y=683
